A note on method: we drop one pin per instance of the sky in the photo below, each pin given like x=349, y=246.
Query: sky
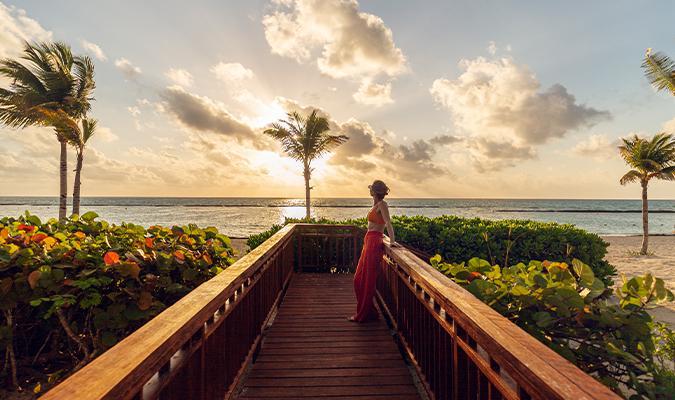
x=453, y=99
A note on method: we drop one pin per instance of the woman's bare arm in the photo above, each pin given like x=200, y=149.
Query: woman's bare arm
x=384, y=209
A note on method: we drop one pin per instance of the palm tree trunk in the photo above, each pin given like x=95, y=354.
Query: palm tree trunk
x=645, y=219
x=306, y=173
x=77, y=183
x=63, y=180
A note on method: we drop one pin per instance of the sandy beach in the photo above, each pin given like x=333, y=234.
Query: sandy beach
x=661, y=263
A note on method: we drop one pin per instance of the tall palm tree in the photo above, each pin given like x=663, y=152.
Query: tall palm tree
x=50, y=86
x=649, y=159
x=305, y=139
x=660, y=70
x=81, y=138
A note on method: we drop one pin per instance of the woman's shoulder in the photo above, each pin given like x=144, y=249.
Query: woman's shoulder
x=382, y=204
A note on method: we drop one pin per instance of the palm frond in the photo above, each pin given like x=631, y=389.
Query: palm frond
x=631, y=176
x=88, y=129
x=660, y=71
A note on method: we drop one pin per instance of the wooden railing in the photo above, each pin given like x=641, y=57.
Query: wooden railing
x=198, y=347
x=463, y=349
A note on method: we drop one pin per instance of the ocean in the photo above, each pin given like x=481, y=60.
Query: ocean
x=240, y=217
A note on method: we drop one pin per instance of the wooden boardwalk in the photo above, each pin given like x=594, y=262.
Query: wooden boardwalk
x=312, y=351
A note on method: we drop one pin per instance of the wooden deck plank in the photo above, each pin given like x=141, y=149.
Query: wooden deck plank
x=312, y=351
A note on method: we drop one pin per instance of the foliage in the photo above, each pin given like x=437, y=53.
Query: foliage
x=659, y=70
x=652, y=158
x=564, y=306
x=500, y=241
x=76, y=288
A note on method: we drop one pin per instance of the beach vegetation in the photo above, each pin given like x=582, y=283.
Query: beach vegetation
x=70, y=290
x=648, y=158
x=305, y=139
x=659, y=70
x=499, y=241
x=49, y=86
x=564, y=305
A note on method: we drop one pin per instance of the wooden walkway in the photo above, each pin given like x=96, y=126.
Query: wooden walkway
x=312, y=351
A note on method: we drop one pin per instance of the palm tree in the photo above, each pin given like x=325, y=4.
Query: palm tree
x=660, y=70
x=649, y=159
x=52, y=86
x=305, y=139
x=78, y=138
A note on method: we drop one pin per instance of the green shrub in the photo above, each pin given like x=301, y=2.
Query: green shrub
x=74, y=289
x=499, y=241
x=563, y=305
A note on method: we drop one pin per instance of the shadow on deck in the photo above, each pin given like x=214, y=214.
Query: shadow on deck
x=312, y=351
x=273, y=325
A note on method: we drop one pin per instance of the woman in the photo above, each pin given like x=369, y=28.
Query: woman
x=370, y=261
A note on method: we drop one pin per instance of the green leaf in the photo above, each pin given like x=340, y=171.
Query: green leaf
x=89, y=216
x=584, y=272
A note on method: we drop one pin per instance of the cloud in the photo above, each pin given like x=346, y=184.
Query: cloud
x=231, y=72
x=129, y=70
x=500, y=105
x=492, y=47
x=374, y=94
x=204, y=114
x=179, y=77
x=367, y=152
x=353, y=44
x=599, y=147
x=669, y=126
x=16, y=27
x=93, y=49
x=105, y=134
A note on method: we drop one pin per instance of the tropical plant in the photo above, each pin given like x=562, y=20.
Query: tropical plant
x=566, y=307
x=74, y=288
x=499, y=241
x=305, y=139
x=52, y=86
x=650, y=159
x=659, y=70
x=78, y=139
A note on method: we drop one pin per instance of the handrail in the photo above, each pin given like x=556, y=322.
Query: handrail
x=462, y=348
x=170, y=354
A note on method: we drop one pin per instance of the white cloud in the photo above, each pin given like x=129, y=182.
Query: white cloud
x=500, y=103
x=105, y=134
x=669, y=126
x=179, y=76
x=599, y=147
x=353, y=44
x=16, y=27
x=492, y=47
x=129, y=70
x=374, y=94
x=231, y=72
x=94, y=49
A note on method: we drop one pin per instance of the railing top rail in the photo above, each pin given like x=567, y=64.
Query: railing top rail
x=509, y=345
x=121, y=370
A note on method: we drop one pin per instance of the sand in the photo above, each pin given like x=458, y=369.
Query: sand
x=622, y=253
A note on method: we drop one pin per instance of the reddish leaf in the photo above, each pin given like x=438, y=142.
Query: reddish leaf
x=68, y=282
x=27, y=228
x=207, y=258
x=149, y=243
x=80, y=235
x=111, y=258
x=38, y=237
x=33, y=278
x=4, y=233
x=179, y=255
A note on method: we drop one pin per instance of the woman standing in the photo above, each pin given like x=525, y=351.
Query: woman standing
x=370, y=261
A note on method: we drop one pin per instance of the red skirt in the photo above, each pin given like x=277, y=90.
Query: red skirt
x=365, y=279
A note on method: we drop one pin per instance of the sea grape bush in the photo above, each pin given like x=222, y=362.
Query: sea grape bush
x=70, y=290
x=499, y=241
x=566, y=307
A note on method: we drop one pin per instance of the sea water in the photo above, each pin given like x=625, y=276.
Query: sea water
x=240, y=217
